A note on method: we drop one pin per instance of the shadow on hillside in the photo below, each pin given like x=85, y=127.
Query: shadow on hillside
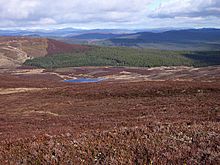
x=205, y=58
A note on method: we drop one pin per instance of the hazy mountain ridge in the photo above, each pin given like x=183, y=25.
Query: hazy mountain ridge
x=206, y=38
x=189, y=39
x=184, y=39
x=65, y=32
x=174, y=36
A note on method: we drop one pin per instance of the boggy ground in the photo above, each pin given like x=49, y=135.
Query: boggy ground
x=112, y=122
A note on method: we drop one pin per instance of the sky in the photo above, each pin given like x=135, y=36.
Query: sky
x=109, y=14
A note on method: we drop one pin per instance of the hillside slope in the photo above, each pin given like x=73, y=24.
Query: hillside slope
x=123, y=56
x=14, y=51
x=96, y=36
x=176, y=36
x=190, y=39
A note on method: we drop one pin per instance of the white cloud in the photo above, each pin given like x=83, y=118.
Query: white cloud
x=70, y=11
x=108, y=13
x=188, y=8
x=17, y=9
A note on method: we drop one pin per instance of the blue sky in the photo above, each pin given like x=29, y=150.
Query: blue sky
x=124, y=14
x=155, y=4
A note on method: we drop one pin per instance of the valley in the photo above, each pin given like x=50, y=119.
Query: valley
x=162, y=109
x=120, y=82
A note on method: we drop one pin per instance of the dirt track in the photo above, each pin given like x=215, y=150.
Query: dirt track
x=113, y=122
x=14, y=51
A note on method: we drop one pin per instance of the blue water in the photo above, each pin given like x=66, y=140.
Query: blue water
x=84, y=80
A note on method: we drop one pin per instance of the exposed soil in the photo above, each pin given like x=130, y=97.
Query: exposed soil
x=14, y=51
x=5, y=91
x=110, y=122
x=180, y=73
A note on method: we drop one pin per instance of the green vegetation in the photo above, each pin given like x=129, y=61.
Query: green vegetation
x=115, y=56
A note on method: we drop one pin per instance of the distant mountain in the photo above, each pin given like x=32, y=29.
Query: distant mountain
x=90, y=36
x=65, y=32
x=188, y=39
x=41, y=32
x=174, y=36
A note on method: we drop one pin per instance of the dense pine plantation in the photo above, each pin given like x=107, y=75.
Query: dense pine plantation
x=120, y=56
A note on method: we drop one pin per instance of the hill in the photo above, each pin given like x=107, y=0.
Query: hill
x=94, y=36
x=168, y=39
x=117, y=56
x=14, y=51
x=65, y=32
x=186, y=38
x=211, y=35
